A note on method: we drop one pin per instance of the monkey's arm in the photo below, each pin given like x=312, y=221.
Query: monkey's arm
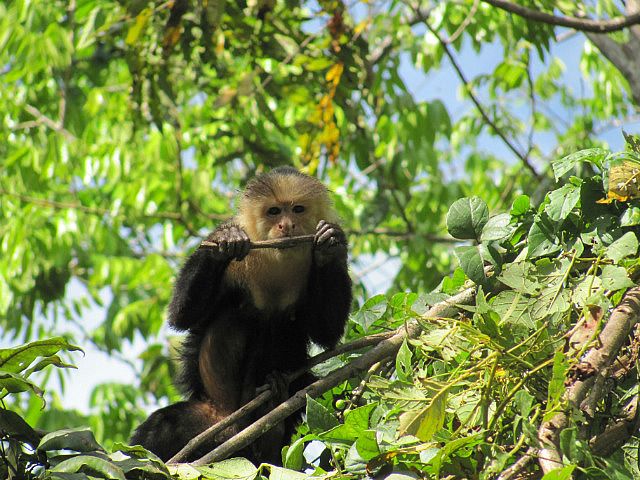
x=328, y=300
x=197, y=288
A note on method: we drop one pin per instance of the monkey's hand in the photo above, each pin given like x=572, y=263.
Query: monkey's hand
x=330, y=243
x=233, y=242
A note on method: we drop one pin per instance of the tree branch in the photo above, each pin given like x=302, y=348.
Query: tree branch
x=287, y=242
x=593, y=368
x=582, y=24
x=383, y=350
x=476, y=102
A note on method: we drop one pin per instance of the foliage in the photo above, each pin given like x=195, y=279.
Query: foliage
x=467, y=396
x=127, y=125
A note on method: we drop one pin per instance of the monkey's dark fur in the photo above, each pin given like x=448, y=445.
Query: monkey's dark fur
x=249, y=314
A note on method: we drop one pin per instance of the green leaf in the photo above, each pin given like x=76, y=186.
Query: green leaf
x=520, y=206
x=472, y=263
x=625, y=246
x=230, y=469
x=467, y=217
x=20, y=358
x=367, y=445
x=355, y=422
x=594, y=156
x=424, y=422
x=542, y=240
x=563, y=473
x=497, y=228
x=76, y=439
x=404, y=369
x=630, y=217
x=372, y=310
x=91, y=465
x=556, y=384
x=518, y=275
x=514, y=308
x=562, y=201
x=279, y=473
x=319, y=418
x=615, y=278
x=15, y=426
x=294, y=456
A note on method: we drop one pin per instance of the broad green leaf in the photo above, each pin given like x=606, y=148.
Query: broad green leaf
x=367, y=445
x=294, y=456
x=472, y=263
x=230, y=469
x=556, y=384
x=542, y=241
x=497, y=228
x=562, y=201
x=615, y=278
x=520, y=206
x=404, y=368
x=514, y=308
x=467, y=217
x=519, y=276
x=372, y=310
x=424, y=423
x=595, y=156
x=319, y=418
x=630, y=217
x=76, y=439
x=20, y=358
x=355, y=422
x=279, y=473
x=625, y=246
x=563, y=473
x=15, y=426
x=91, y=465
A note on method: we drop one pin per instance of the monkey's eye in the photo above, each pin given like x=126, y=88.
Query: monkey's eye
x=273, y=211
x=297, y=209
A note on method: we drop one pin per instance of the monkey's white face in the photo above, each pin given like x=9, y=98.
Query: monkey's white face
x=291, y=219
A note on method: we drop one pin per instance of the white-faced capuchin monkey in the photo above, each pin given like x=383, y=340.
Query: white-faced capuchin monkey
x=252, y=313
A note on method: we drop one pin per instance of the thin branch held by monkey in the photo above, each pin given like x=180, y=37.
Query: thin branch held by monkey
x=250, y=313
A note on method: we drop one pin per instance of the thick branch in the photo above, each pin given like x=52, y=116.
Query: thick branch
x=582, y=24
x=384, y=349
x=593, y=368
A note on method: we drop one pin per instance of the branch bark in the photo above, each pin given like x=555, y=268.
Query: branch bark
x=593, y=369
x=383, y=350
x=274, y=243
x=582, y=24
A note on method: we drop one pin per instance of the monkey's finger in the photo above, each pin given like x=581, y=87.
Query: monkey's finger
x=322, y=230
x=326, y=235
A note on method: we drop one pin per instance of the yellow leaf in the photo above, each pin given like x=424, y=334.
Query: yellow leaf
x=425, y=422
x=334, y=73
x=624, y=182
x=361, y=26
x=136, y=29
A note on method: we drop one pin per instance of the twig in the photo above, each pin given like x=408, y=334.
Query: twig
x=519, y=465
x=56, y=126
x=481, y=110
x=465, y=23
x=594, y=367
x=383, y=350
x=582, y=24
x=274, y=243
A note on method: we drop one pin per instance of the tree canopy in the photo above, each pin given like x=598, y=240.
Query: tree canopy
x=480, y=150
